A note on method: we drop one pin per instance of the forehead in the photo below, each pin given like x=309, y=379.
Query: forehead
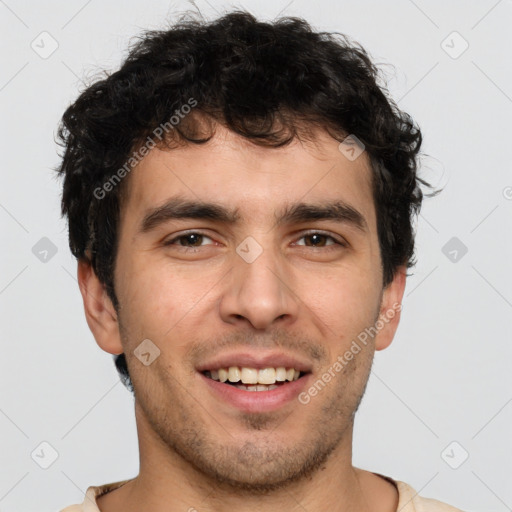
x=254, y=180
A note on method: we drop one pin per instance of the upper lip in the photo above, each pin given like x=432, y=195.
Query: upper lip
x=248, y=360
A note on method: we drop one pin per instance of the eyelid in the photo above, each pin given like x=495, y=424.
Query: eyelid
x=184, y=234
x=338, y=240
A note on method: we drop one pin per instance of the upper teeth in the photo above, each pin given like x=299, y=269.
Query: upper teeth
x=255, y=376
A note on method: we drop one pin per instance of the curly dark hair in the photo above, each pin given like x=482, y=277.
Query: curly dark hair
x=270, y=82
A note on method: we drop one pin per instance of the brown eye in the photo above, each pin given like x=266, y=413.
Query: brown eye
x=192, y=239
x=319, y=239
x=316, y=239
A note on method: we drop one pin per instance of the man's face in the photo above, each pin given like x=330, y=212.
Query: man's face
x=253, y=293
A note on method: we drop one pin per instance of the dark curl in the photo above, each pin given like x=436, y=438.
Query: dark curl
x=268, y=82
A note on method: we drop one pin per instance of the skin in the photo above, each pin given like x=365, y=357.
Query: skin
x=197, y=451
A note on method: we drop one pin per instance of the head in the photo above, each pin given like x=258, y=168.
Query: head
x=214, y=208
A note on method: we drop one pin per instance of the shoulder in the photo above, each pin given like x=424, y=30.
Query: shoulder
x=94, y=491
x=410, y=501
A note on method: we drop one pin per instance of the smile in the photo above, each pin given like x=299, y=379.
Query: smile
x=272, y=388
x=253, y=379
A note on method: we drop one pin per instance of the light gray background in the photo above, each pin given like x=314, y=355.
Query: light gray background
x=445, y=378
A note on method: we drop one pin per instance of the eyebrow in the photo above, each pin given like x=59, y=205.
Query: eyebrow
x=176, y=208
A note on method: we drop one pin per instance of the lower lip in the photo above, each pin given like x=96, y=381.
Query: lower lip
x=257, y=401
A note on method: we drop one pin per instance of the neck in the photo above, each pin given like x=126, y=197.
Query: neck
x=168, y=483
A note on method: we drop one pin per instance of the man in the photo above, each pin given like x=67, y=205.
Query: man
x=240, y=197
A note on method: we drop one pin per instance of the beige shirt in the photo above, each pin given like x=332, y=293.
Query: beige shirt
x=408, y=499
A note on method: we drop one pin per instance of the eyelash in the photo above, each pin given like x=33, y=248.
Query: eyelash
x=309, y=233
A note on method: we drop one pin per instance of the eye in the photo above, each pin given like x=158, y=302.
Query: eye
x=191, y=239
x=317, y=237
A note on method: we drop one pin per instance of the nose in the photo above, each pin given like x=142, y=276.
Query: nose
x=259, y=292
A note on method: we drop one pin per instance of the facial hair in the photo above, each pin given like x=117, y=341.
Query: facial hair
x=265, y=463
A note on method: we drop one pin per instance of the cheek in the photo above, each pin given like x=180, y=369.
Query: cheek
x=348, y=299
x=160, y=300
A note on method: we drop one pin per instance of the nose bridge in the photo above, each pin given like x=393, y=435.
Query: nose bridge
x=259, y=290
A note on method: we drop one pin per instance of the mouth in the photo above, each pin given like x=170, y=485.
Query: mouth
x=255, y=390
x=254, y=379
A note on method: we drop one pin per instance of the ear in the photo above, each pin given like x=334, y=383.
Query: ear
x=99, y=310
x=390, y=309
